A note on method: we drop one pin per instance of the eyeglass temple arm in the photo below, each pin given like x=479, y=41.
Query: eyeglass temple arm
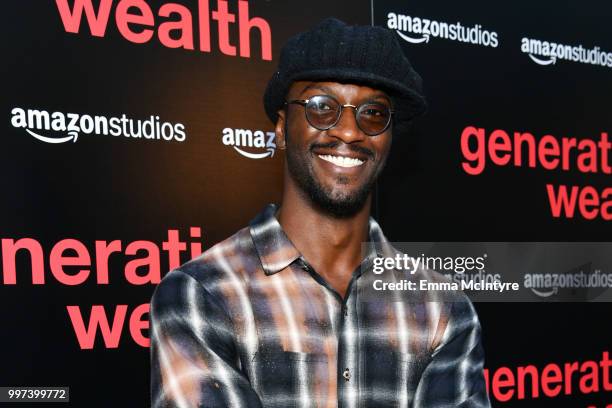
x=302, y=102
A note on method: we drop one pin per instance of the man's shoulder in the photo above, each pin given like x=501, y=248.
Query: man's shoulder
x=232, y=259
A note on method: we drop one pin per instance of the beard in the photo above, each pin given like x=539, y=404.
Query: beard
x=335, y=202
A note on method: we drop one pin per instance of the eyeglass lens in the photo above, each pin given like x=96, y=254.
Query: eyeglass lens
x=323, y=112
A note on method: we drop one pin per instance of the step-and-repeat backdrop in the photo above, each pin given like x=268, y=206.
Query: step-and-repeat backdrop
x=134, y=137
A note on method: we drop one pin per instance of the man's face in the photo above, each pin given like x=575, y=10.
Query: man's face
x=335, y=168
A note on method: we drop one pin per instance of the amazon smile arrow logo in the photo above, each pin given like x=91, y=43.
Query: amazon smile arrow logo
x=425, y=38
x=544, y=294
x=72, y=135
x=535, y=59
x=269, y=153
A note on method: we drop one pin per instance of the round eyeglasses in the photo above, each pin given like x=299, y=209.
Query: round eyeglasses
x=323, y=112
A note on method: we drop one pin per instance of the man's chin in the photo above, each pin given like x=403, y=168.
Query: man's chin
x=340, y=196
x=339, y=204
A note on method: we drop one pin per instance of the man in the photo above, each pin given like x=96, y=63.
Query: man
x=277, y=315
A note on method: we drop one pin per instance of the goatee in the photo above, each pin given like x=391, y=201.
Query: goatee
x=336, y=204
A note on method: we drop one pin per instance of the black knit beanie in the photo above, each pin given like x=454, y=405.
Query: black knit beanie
x=335, y=51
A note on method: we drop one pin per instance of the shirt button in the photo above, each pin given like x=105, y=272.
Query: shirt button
x=347, y=374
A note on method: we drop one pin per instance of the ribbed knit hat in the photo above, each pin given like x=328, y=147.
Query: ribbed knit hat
x=335, y=51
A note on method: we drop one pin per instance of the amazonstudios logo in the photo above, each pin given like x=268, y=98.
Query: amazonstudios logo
x=544, y=52
x=59, y=127
x=253, y=144
x=417, y=30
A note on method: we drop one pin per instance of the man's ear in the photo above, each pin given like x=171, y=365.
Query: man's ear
x=280, y=130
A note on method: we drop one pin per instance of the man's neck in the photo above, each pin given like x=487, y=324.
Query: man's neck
x=330, y=244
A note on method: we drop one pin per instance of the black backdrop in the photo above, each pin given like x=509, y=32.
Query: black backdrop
x=425, y=195
x=100, y=188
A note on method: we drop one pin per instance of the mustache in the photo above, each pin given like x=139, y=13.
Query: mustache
x=336, y=143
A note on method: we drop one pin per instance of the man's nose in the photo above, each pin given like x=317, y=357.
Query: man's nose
x=347, y=129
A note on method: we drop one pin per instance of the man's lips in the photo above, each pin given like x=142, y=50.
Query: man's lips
x=342, y=155
x=342, y=161
x=336, y=148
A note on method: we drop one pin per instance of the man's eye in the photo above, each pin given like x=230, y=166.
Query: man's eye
x=373, y=112
x=323, y=106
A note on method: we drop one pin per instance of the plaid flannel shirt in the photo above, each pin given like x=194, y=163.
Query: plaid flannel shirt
x=249, y=323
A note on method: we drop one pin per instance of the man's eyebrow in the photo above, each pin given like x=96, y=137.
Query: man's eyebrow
x=329, y=91
x=317, y=86
x=381, y=95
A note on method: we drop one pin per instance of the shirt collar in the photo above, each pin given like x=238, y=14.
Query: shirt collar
x=276, y=251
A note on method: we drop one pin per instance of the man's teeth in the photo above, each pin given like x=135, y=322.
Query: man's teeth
x=341, y=161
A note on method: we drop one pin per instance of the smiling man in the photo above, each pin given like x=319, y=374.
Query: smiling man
x=275, y=316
